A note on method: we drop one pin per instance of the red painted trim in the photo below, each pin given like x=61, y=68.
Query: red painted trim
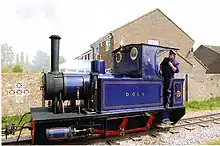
x=123, y=123
x=32, y=131
x=97, y=131
x=136, y=130
x=150, y=120
x=174, y=92
x=117, y=133
x=113, y=133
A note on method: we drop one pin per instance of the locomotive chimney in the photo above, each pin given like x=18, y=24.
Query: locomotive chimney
x=55, y=47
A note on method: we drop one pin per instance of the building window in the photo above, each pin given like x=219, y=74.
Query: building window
x=107, y=45
x=85, y=57
x=88, y=56
x=96, y=51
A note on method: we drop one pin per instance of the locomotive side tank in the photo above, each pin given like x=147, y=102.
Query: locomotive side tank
x=105, y=104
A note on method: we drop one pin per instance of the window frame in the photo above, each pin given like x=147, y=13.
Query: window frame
x=96, y=50
x=107, y=45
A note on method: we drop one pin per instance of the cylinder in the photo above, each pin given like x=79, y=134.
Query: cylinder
x=55, y=42
x=58, y=133
x=98, y=66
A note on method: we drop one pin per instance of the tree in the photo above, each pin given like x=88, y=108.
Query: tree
x=7, y=54
x=41, y=62
x=17, y=59
x=27, y=61
x=61, y=60
x=18, y=68
x=22, y=58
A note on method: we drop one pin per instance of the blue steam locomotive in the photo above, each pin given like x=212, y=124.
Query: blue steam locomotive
x=102, y=104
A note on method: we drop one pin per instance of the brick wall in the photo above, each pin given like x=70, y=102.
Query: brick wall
x=201, y=86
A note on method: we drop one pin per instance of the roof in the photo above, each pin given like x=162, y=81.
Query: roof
x=213, y=48
x=207, y=54
x=214, y=67
x=200, y=62
x=90, y=50
x=153, y=11
x=216, y=62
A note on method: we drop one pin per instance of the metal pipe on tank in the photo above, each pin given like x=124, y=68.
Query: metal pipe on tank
x=55, y=42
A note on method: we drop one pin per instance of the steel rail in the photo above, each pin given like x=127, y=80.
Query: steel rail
x=203, y=116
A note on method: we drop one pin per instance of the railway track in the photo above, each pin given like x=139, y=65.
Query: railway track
x=186, y=123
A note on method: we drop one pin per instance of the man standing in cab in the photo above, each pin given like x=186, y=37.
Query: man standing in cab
x=168, y=67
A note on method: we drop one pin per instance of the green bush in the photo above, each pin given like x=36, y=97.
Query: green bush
x=18, y=68
x=7, y=120
x=6, y=69
x=215, y=141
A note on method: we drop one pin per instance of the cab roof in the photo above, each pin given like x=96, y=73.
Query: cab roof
x=162, y=47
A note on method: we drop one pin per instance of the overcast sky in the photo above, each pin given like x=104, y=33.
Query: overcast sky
x=27, y=24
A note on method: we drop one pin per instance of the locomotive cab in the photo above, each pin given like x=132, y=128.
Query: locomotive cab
x=138, y=60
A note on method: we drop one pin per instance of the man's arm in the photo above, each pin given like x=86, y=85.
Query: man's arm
x=174, y=67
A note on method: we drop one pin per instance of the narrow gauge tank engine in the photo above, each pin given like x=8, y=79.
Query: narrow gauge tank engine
x=128, y=100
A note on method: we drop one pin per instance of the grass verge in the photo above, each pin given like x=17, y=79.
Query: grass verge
x=210, y=104
x=214, y=142
x=6, y=120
